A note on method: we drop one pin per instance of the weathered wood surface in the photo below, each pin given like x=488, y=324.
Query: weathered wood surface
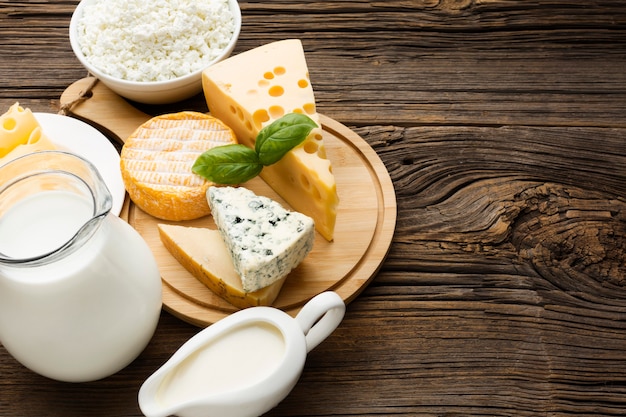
x=503, y=127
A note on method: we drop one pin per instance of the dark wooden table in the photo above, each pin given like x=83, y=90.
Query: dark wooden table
x=503, y=127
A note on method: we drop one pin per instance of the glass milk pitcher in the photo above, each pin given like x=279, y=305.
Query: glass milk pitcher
x=80, y=291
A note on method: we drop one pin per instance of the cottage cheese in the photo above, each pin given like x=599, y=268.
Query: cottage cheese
x=156, y=40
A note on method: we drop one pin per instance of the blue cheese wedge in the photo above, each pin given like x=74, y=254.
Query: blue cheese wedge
x=265, y=241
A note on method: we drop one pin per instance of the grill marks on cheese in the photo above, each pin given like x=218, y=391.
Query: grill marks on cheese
x=156, y=163
x=251, y=90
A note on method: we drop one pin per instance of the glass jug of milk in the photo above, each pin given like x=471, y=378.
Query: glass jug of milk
x=80, y=291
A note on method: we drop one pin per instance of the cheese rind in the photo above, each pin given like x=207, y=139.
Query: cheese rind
x=253, y=89
x=156, y=163
x=264, y=240
x=202, y=252
x=20, y=133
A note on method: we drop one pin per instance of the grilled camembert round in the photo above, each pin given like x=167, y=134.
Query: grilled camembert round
x=156, y=163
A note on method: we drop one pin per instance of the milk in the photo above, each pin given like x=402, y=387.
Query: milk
x=42, y=223
x=86, y=313
x=242, y=357
x=242, y=365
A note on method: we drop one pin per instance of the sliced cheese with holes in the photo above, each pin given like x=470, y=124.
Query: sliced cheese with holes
x=265, y=241
x=20, y=133
x=203, y=253
x=156, y=163
x=251, y=90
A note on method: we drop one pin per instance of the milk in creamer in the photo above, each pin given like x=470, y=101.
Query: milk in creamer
x=237, y=359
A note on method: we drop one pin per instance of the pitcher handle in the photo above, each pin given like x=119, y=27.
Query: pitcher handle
x=320, y=317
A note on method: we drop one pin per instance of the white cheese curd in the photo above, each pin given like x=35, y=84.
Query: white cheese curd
x=139, y=40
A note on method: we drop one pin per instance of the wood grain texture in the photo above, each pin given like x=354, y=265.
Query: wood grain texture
x=503, y=127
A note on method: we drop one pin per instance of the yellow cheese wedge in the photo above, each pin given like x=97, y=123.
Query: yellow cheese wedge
x=251, y=90
x=20, y=133
x=203, y=253
x=156, y=163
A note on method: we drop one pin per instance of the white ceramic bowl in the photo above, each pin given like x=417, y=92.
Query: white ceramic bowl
x=152, y=92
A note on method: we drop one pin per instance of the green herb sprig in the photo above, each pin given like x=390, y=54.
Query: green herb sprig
x=235, y=164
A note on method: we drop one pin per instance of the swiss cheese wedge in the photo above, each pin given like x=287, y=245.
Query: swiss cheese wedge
x=203, y=253
x=20, y=133
x=156, y=163
x=251, y=90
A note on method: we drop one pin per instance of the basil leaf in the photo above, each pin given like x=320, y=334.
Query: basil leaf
x=275, y=140
x=234, y=164
x=228, y=164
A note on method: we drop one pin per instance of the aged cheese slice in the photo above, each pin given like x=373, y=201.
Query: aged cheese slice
x=156, y=163
x=251, y=90
x=20, y=133
x=264, y=240
x=203, y=253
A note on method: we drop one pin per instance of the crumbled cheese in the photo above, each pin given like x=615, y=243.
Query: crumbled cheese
x=156, y=40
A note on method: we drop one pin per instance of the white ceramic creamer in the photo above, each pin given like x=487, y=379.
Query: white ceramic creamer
x=80, y=291
x=243, y=365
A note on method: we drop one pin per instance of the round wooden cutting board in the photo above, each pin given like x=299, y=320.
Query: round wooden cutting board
x=365, y=224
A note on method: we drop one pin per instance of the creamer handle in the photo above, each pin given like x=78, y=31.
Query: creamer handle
x=320, y=317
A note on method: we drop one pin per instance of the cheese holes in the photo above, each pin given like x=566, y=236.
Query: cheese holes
x=316, y=194
x=237, y=111
x=305, y=182
x=259, y=117
x=276, y=112
x=9, y=124
x=34, y=136
x=310, y=147
x=276, y=91
x=306, y=185
x=309, y=108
